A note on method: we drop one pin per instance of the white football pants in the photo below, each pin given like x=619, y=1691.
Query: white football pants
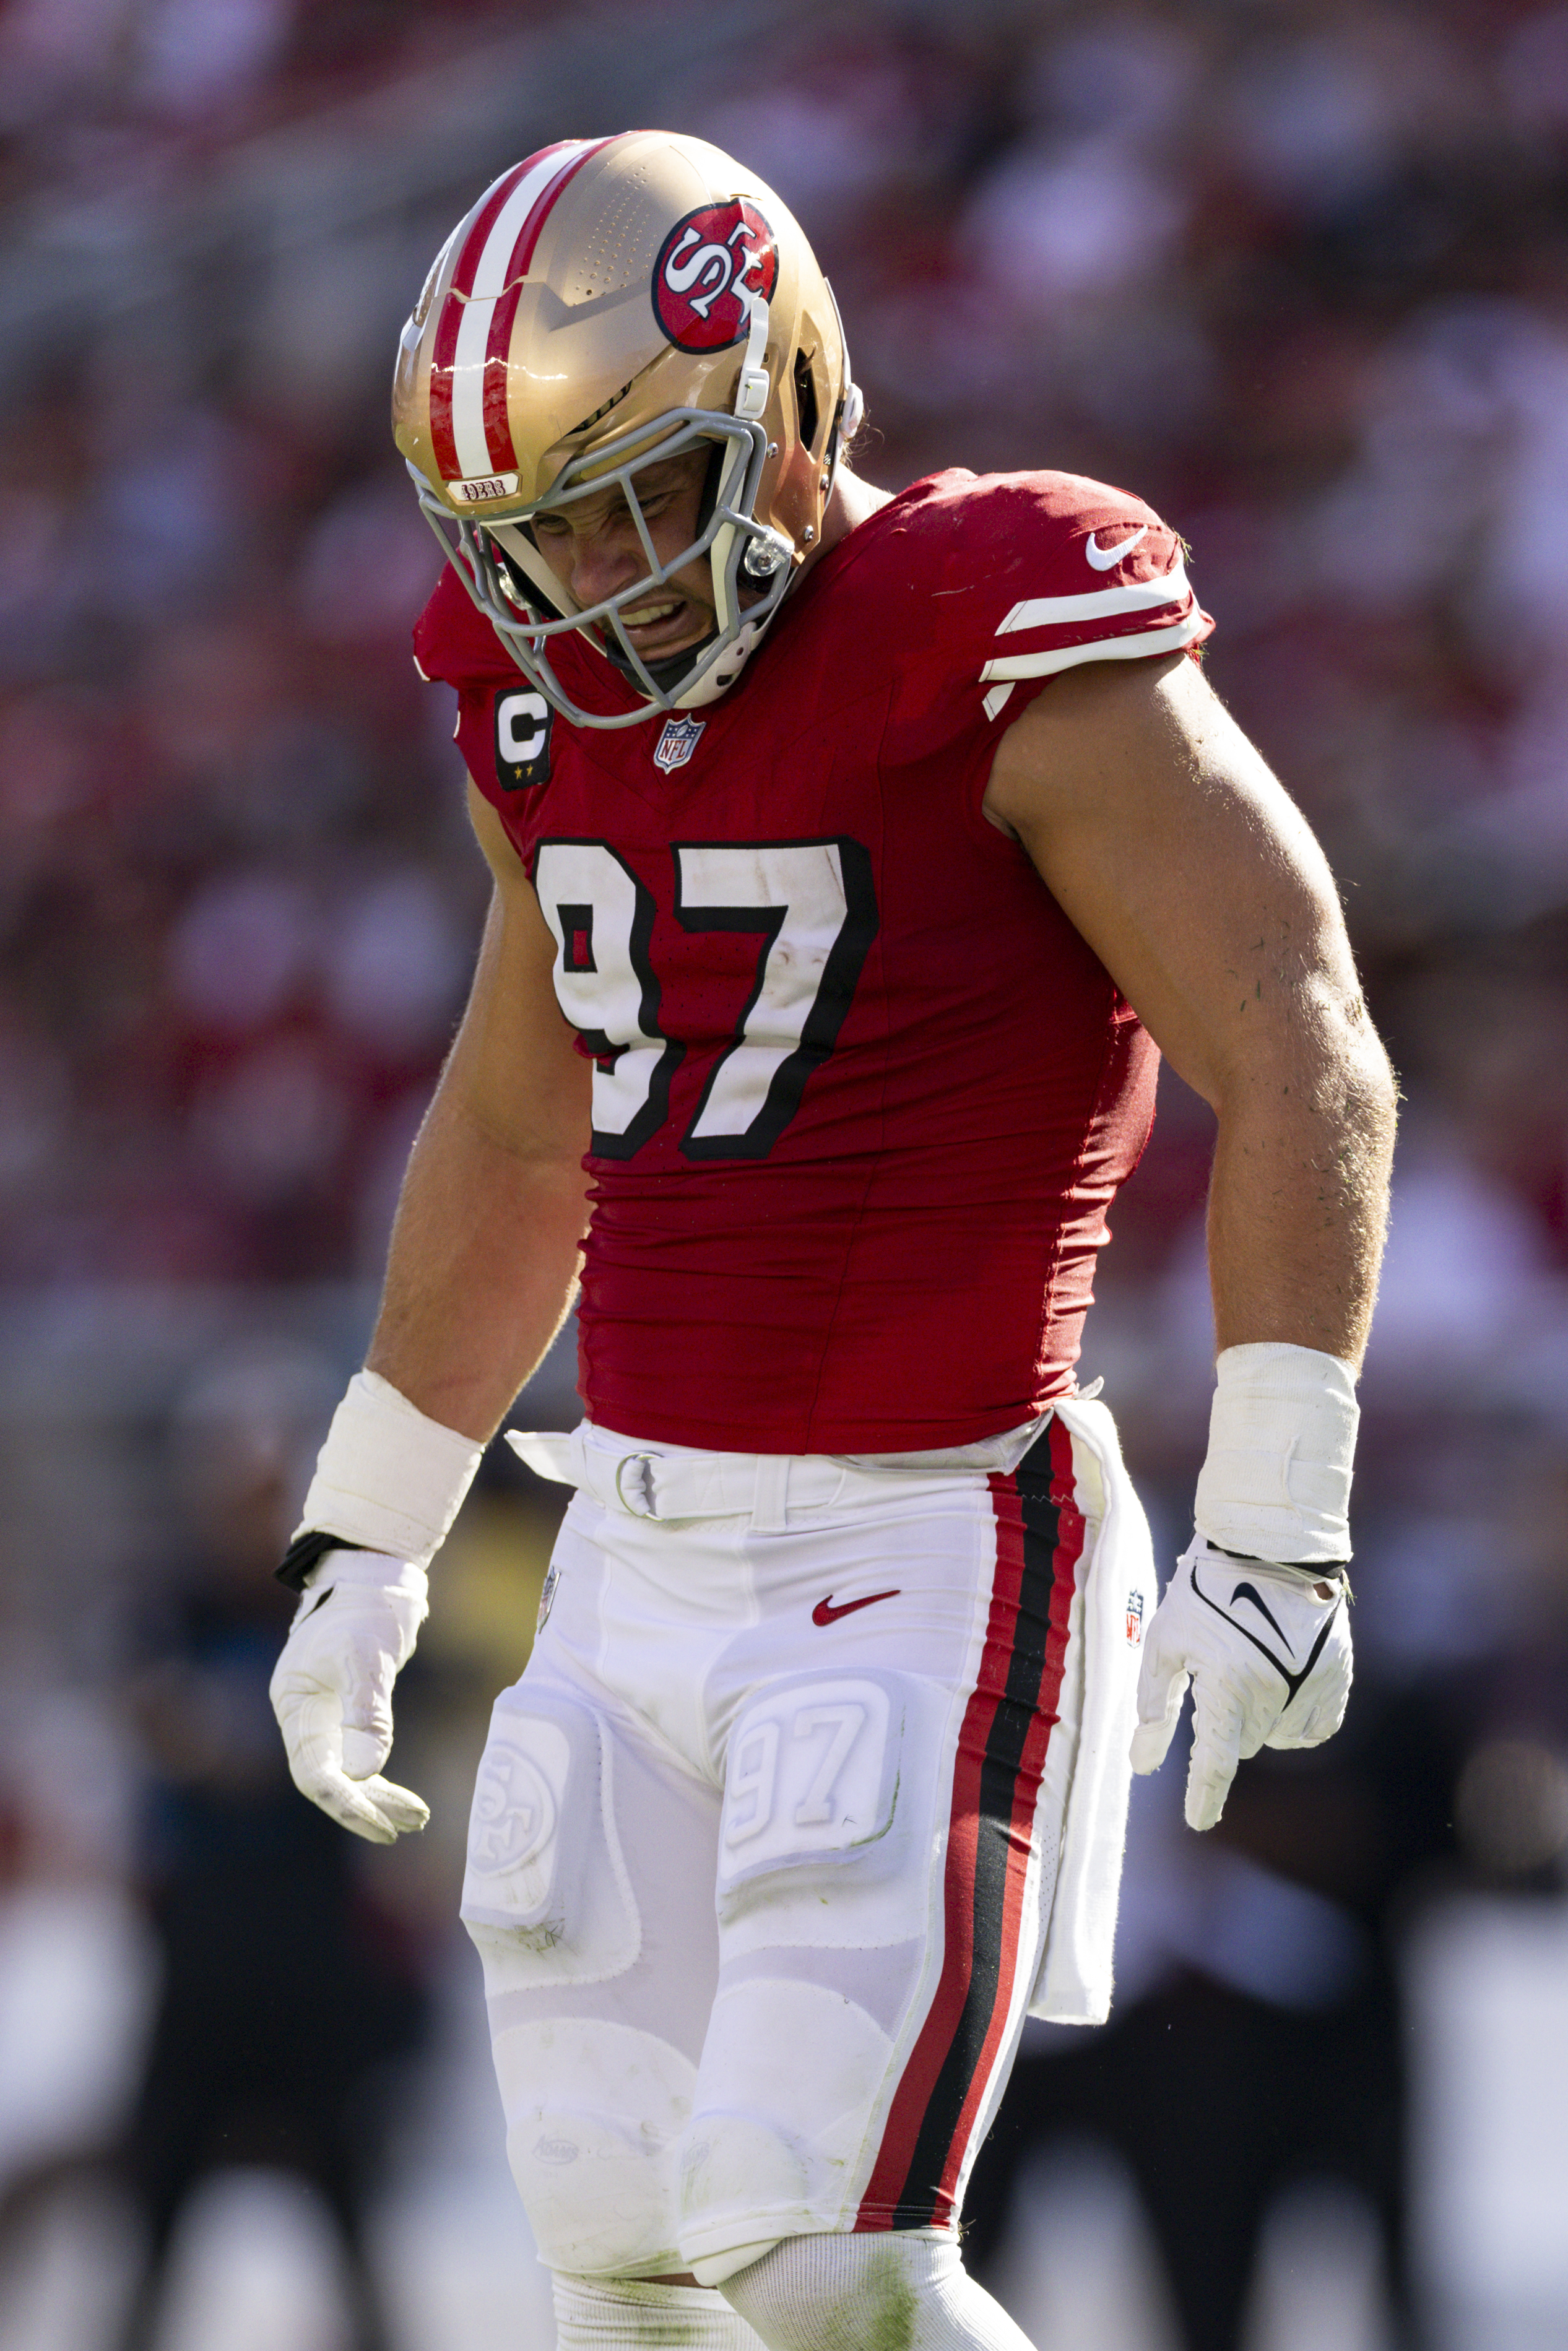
x=764, y=1843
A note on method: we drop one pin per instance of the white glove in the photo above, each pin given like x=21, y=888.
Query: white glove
x=1269, y=1659
x=332, y=1688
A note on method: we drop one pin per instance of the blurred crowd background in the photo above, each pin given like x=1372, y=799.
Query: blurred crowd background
x=1296, y=271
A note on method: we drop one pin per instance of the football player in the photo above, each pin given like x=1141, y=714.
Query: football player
x=853, y=856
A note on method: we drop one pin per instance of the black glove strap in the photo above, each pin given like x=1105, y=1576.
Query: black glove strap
x=307, y=1551
x=1325, y=1571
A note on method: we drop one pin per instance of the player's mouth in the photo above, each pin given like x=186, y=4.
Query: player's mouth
x=663, y=623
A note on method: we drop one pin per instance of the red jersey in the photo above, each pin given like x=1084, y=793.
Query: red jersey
x=862, y=1093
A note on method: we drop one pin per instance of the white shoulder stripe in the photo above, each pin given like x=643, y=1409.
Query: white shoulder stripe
x=1141, y=647
x=1098, y=603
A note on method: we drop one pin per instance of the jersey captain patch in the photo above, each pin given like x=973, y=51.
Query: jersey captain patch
x=523, y=724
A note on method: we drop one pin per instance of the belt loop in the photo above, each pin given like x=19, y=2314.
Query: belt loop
x=771, y=1497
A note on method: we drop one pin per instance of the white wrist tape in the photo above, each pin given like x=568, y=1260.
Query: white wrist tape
x=388, y=1478
x=1281, y=1436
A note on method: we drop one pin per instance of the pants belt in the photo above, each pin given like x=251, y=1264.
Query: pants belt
x=643, y=1482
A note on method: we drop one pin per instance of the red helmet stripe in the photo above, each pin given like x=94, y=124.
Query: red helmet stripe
x=444, y=350
x=490, y=209
x=448, y=428
x=497, y=424
x=443, y=445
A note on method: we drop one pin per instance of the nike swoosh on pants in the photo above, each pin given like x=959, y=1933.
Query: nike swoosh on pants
x=824, y=1613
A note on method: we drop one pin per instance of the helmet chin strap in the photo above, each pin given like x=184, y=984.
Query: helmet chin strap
x=750, y=404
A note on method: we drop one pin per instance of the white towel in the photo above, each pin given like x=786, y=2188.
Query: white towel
x=1073, y=1986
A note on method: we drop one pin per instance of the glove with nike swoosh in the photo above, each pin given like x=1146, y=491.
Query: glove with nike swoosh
x=1267, y=1651
x=332, y=1688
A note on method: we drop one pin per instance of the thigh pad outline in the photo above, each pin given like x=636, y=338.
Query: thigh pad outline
x=547, y=1898
x=816, y=1801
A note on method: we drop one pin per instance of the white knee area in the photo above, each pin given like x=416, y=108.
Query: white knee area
x=633, y=2315
x=775, y=2164
x=901, y=2293
x=594, y=2115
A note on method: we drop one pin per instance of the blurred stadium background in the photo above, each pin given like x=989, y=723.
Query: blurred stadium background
x=1297, y=270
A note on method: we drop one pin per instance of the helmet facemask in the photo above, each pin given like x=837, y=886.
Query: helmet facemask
x=529, y=605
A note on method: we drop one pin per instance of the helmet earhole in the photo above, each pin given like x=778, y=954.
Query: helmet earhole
x=807, y=411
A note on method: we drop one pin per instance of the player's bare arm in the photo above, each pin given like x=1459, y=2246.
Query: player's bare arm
x=484, y=1247
x=1187, y=868
x=483, y=1263
x=1163, y=836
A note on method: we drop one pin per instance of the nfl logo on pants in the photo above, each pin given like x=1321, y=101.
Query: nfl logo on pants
x=677, y=742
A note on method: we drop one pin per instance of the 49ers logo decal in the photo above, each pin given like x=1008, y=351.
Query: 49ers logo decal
x=709, y=267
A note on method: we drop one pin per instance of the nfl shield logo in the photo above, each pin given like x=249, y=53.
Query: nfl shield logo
x=1134, y=1619
x=548, y=1596
x=677, y=742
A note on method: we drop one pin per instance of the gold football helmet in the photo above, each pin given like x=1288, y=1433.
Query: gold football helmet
x=608, y=304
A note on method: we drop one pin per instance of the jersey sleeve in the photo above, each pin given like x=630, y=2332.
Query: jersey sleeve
x=453, y=641
x=1048, y=570
x=503, y=729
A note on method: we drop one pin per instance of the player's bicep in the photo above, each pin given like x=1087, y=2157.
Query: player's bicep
x=1183, y=861
x=515, y=1066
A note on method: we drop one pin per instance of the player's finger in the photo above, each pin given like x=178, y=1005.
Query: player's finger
x=1319, y=1722
x=1152, y=1739
x=1217, y=1729
x=407, y=1813
x=344, y=1800
x=1162, y=1685
x=376, y=1809
x=313, y=1737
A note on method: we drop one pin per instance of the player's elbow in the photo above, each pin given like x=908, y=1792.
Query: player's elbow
x=1313, y=1056
x=1355, y=1079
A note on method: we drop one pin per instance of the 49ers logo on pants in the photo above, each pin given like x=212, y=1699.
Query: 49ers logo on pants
x=709, y=267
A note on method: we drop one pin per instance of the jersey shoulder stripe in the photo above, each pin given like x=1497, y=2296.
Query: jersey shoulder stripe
x=1105, y=579
x=1098, y=603
x=1147, y=644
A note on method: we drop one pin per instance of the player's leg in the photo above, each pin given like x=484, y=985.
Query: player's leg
x=915, y=2291
x=636, y=2314
x=589, y=1893
x=887, y=1863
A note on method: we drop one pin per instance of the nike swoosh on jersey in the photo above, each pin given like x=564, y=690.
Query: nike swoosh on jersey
x=1105, y=558
x=824, y=1613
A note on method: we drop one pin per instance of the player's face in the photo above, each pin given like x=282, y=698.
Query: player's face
x=593, y=548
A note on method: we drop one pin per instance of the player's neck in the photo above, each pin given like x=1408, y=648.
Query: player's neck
x=851, y=502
